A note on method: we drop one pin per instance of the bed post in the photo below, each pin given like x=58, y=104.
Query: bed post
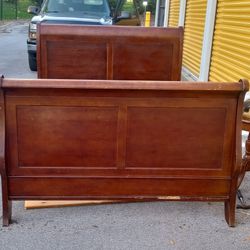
x=230, y=205
x=6, y=203
x=238, y=170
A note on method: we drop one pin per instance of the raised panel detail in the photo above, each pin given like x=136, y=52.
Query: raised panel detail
x=136, y=62
x=175, y=137
x=86, y=60
x=67, y=136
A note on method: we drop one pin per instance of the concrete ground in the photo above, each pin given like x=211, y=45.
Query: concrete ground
x=147, y=225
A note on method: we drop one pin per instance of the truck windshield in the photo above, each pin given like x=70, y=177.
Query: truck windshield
x=99, y=7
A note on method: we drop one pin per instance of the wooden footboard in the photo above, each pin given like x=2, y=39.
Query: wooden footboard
x=73, y=139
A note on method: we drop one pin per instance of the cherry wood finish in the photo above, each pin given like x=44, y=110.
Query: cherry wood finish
x=119, y=53
x=105, y=139
x=6, y=203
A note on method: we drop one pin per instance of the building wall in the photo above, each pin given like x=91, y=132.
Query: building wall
x=231, y=44
x=174, y=9
x=193, y=34
x=224, y=52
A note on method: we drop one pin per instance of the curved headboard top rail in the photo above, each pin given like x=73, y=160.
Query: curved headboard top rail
x=101, y=31
x=127, y=85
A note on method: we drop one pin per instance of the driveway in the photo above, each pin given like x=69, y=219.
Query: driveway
x=142, y=226
x=13, y=51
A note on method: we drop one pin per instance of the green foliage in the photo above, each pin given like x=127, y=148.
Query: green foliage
x=151, y=6
x=112, y=3
x=139, y=6
x=128, y=6
x=15, y=10
x=8, y=11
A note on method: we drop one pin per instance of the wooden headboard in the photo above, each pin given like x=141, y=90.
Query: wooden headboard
x=109, y=52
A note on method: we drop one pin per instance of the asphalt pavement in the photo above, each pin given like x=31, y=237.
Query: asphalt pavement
x=13, y=50
x=145, y=225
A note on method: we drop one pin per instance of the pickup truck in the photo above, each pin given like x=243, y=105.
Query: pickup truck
x=86, y=12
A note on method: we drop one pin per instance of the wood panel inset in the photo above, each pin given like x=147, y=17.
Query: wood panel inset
x=76, y=59
x=141, y=61
x=175, y=137
x=67, y=136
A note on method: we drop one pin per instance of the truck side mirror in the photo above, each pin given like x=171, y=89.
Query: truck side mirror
x=33, y=10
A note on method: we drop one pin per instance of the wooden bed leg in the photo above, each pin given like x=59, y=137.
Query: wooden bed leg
x=6, y=203
x=7, y=209
x=230, y=207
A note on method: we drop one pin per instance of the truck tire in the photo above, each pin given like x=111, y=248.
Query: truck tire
x=32, y=62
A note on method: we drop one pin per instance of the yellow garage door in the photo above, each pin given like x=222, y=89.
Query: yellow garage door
x=193, y=34
x=231, y=46
x=174, y=10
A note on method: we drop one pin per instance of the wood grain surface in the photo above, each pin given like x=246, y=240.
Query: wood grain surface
x=100, y=141
x=109, y=52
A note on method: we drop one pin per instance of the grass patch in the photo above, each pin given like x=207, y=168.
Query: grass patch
x=12, y=11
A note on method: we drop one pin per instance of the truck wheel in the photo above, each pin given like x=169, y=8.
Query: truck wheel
x=32, y=63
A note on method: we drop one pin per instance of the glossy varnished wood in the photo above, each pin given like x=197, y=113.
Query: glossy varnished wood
x=103, y=139
x=6, y=202
x=94, y=52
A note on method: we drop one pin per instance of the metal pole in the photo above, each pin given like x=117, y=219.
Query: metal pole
x=16, y=9
x=182, y=13
x=1, y=9
x=157, y=8
x=166, y=14
x=208, y=40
